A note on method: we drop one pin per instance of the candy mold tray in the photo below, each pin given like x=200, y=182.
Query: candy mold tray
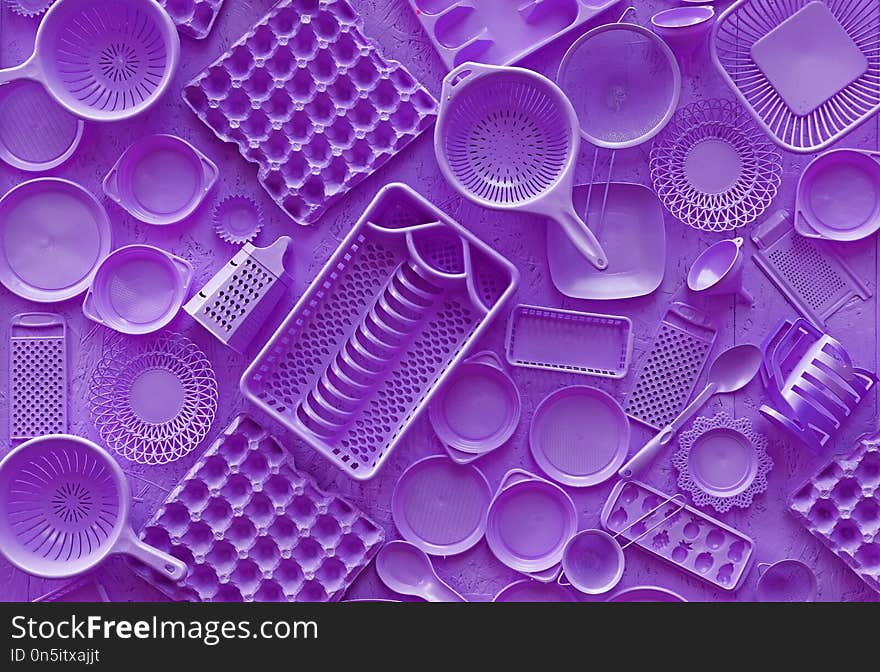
x=250, y=527
x=570, y=341
x=379, y=329
x=500, y=32
x=310, y=99
x=690, y=540
x=840, y=506
x=193, y=18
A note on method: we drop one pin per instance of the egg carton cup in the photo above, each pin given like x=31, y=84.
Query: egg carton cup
x=252, y=528
x=193, y=18
x=840, y=506
x=310, y=100
x=687, y=539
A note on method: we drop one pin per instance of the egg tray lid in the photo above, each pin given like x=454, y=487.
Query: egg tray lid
x=312, y=101
x=840, y=506
x=252, y=528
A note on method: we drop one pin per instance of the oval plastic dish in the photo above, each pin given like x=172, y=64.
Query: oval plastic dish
x=161, y=179
x=53, y=235
x=530, y=522
x=529, y=590
x=138, y=289
x=646, y=594
x=441, y=506
x=478, y=408
x=838, y=196
x=579, y=436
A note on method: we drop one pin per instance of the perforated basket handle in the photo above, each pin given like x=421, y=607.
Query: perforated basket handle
x=167, y=565
x=469, y=71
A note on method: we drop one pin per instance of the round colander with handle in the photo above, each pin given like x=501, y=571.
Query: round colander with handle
x=507, y=138
x=103, y=60
x=64, y=508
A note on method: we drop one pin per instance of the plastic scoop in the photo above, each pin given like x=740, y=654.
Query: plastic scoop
x=718, y=270
x=407, y=570
x=732, y=370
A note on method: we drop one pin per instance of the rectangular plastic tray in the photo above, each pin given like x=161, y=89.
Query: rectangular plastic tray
x=385, y=321
x=570, y=341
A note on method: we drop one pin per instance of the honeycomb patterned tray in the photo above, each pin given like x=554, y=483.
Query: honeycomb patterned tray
x=193, y=18
x=312, y=101
x=252, y=528
x=840, y=506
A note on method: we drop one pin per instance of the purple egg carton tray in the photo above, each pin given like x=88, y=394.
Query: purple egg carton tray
x=689, y=539
x=193, y=18
x=310, y=99
x=386, y=320
x=252, y=528
x=840, y=506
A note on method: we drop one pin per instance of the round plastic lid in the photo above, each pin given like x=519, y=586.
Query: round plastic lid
x=529, y=524
x=529, y=590
x=477, y=409
x=723, y=462
x=53, y=235
x=579, y=436
x=441, y=506
x=840, y=194
x=36, y=133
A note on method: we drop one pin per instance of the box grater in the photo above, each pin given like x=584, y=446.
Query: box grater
x=671, y=369
x=808, y=272
x=37, y=376
x=236, y=302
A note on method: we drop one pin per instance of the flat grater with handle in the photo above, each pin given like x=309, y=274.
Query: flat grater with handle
x=37, y=375
x=809, y=273
x=239, y=298
x=670, y=370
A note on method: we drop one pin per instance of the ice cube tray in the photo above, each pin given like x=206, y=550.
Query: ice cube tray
x=840, y=506
x=37, y=375
x=810, y=274
x=670, y=370
x=251, y=527
x=193, y=18
x=312, y=101
x=568, y=340
x=689, y=539
x=500, y=32
x=238, y=300
x=383, y=324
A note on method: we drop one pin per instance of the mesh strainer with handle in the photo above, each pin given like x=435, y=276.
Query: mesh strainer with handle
x=103, y=60
x=507, y=138
x=64, y=508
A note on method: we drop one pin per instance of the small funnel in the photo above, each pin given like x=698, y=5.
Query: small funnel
x=685, y=30
x=718, y=270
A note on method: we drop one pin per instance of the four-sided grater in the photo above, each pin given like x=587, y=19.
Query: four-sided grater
x=37, y=376
x=672, y=367
x=236, y=302
x=808, y=272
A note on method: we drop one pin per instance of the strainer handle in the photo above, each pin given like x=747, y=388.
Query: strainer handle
x=27, y=70
x=583, y=238
x=168, y=566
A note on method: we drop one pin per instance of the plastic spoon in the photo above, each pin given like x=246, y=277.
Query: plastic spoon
x=407, y=570
x=732, y=370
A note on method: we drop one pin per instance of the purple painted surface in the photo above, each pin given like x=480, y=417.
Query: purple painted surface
x=476, y=574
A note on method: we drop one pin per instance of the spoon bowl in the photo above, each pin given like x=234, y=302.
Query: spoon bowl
x=734, y=368
x=406, y=569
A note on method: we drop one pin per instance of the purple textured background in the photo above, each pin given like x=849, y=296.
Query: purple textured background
x=476, y=573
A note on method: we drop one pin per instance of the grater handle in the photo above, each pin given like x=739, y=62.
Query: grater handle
x=48, y=324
